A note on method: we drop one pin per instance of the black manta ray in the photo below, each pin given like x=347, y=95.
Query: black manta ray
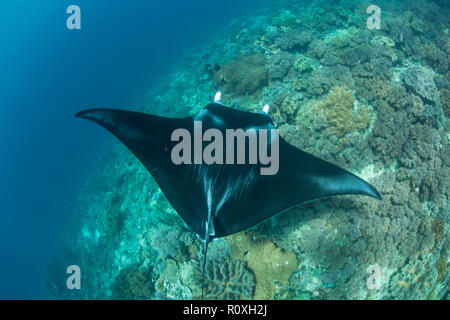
x=217, y=200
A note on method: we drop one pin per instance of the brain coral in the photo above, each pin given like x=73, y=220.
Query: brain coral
x=228, y=280
x=242, y=76
x=272, y=266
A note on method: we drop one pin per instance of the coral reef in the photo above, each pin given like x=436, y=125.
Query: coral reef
x=375, y=102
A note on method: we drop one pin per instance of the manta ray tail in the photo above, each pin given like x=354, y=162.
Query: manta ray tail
x=205, y=250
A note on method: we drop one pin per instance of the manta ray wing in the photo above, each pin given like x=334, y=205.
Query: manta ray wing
x=301, y=178
x=149, y=138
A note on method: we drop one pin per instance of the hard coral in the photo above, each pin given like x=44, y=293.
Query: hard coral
x=303, y=64
x=419, y=279
x=170, y=242
x=270, y=264
x=228, y=280
x=339, y=111
x=285, y=108
x=295, y=40
x=420, y=81
x=114, y=218
x=242, y=76
x=280, y=64
x=133, y=283
x=285, y=19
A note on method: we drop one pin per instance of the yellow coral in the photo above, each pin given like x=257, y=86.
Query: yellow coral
x=272, y=266
x=404, y=284
x=340, y=113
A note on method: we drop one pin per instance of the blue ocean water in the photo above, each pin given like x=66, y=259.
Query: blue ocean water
x=48, y=73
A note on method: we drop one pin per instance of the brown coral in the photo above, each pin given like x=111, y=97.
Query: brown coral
x=229, y=280
x=338, y=107
x=242, y=76
x=133, y=283
x=272, y=266
x=438, y=227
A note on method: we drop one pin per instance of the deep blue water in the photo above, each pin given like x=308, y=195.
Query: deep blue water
x=47, y=74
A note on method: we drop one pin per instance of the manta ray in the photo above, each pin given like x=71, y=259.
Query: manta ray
x=219, y=199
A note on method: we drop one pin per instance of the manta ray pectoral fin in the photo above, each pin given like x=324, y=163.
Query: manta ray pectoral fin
x=149, y=138
x=317, y=178
x=301, y=178
x=355, y=185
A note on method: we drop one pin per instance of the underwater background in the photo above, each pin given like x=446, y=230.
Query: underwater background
x=373, y=101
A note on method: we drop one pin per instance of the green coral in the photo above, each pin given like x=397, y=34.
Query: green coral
x=340, y=39
x=414, y=22
x=114, y=219
x=285, y=108
x=445, y=100
x=303, y=64
x=382, y=41
x=441, y=267
x=242, y=76
x=438, y=227
x=285, y=19
x=228, y=280
x=299, y=84
x=133, y=283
